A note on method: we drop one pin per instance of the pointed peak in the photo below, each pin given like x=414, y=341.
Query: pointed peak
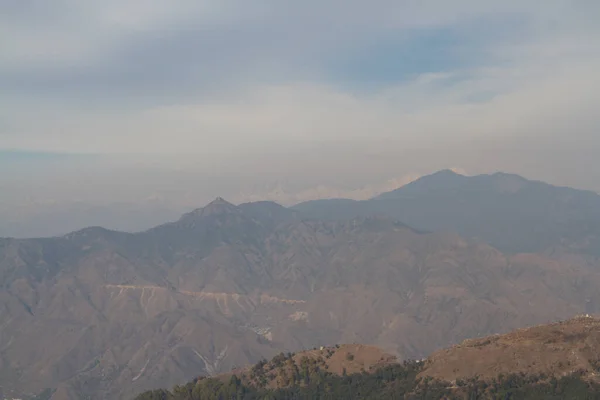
x=218, y=206
x=219, y=201
x=448, y=172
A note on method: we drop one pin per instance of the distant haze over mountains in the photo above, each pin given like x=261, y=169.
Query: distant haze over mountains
x=107, y=314
x=41, y=213
x=37, y=213
x=504, y=210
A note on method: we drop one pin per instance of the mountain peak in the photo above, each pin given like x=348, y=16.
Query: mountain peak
x=218, y=206
x=92, y=232
x=443, y=175
x=219, y=201
x=441, y=180
x=446, y=172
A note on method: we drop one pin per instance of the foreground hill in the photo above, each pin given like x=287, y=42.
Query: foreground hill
x=289, y=369
x=557, y=349
x=103, y=315
x=557, y=361
x=507, y=211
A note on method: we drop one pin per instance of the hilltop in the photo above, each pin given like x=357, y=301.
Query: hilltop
x=285, y=370
x=548, y=361
x=558, y=349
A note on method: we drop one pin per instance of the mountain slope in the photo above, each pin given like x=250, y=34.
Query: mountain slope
x=557, y=361
x=107, y=314
x=557, y=349
x=507, y=211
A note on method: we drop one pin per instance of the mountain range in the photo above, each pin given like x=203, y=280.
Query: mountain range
x=101, y=314
x=509, y=212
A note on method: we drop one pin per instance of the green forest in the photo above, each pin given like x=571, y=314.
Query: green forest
x=391, y=382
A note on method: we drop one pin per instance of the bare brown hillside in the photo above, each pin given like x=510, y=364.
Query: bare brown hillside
x=339, y=360
x=556, y=350
x=108, y=314
x=553, y=361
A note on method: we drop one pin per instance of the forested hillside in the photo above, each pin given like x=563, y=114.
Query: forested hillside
x=554, y=361
x=391, y=382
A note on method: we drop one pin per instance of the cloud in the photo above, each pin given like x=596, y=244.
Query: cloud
x=146, y=77
x=138, y=49
x=517, y=100
x=304, y=98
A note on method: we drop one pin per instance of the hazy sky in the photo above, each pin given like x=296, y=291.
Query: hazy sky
x=124, y=113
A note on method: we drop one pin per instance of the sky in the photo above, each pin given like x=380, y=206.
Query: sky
x=128, y=113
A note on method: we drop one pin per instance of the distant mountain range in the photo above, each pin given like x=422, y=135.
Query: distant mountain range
x=101, y=314
x=506, y=211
